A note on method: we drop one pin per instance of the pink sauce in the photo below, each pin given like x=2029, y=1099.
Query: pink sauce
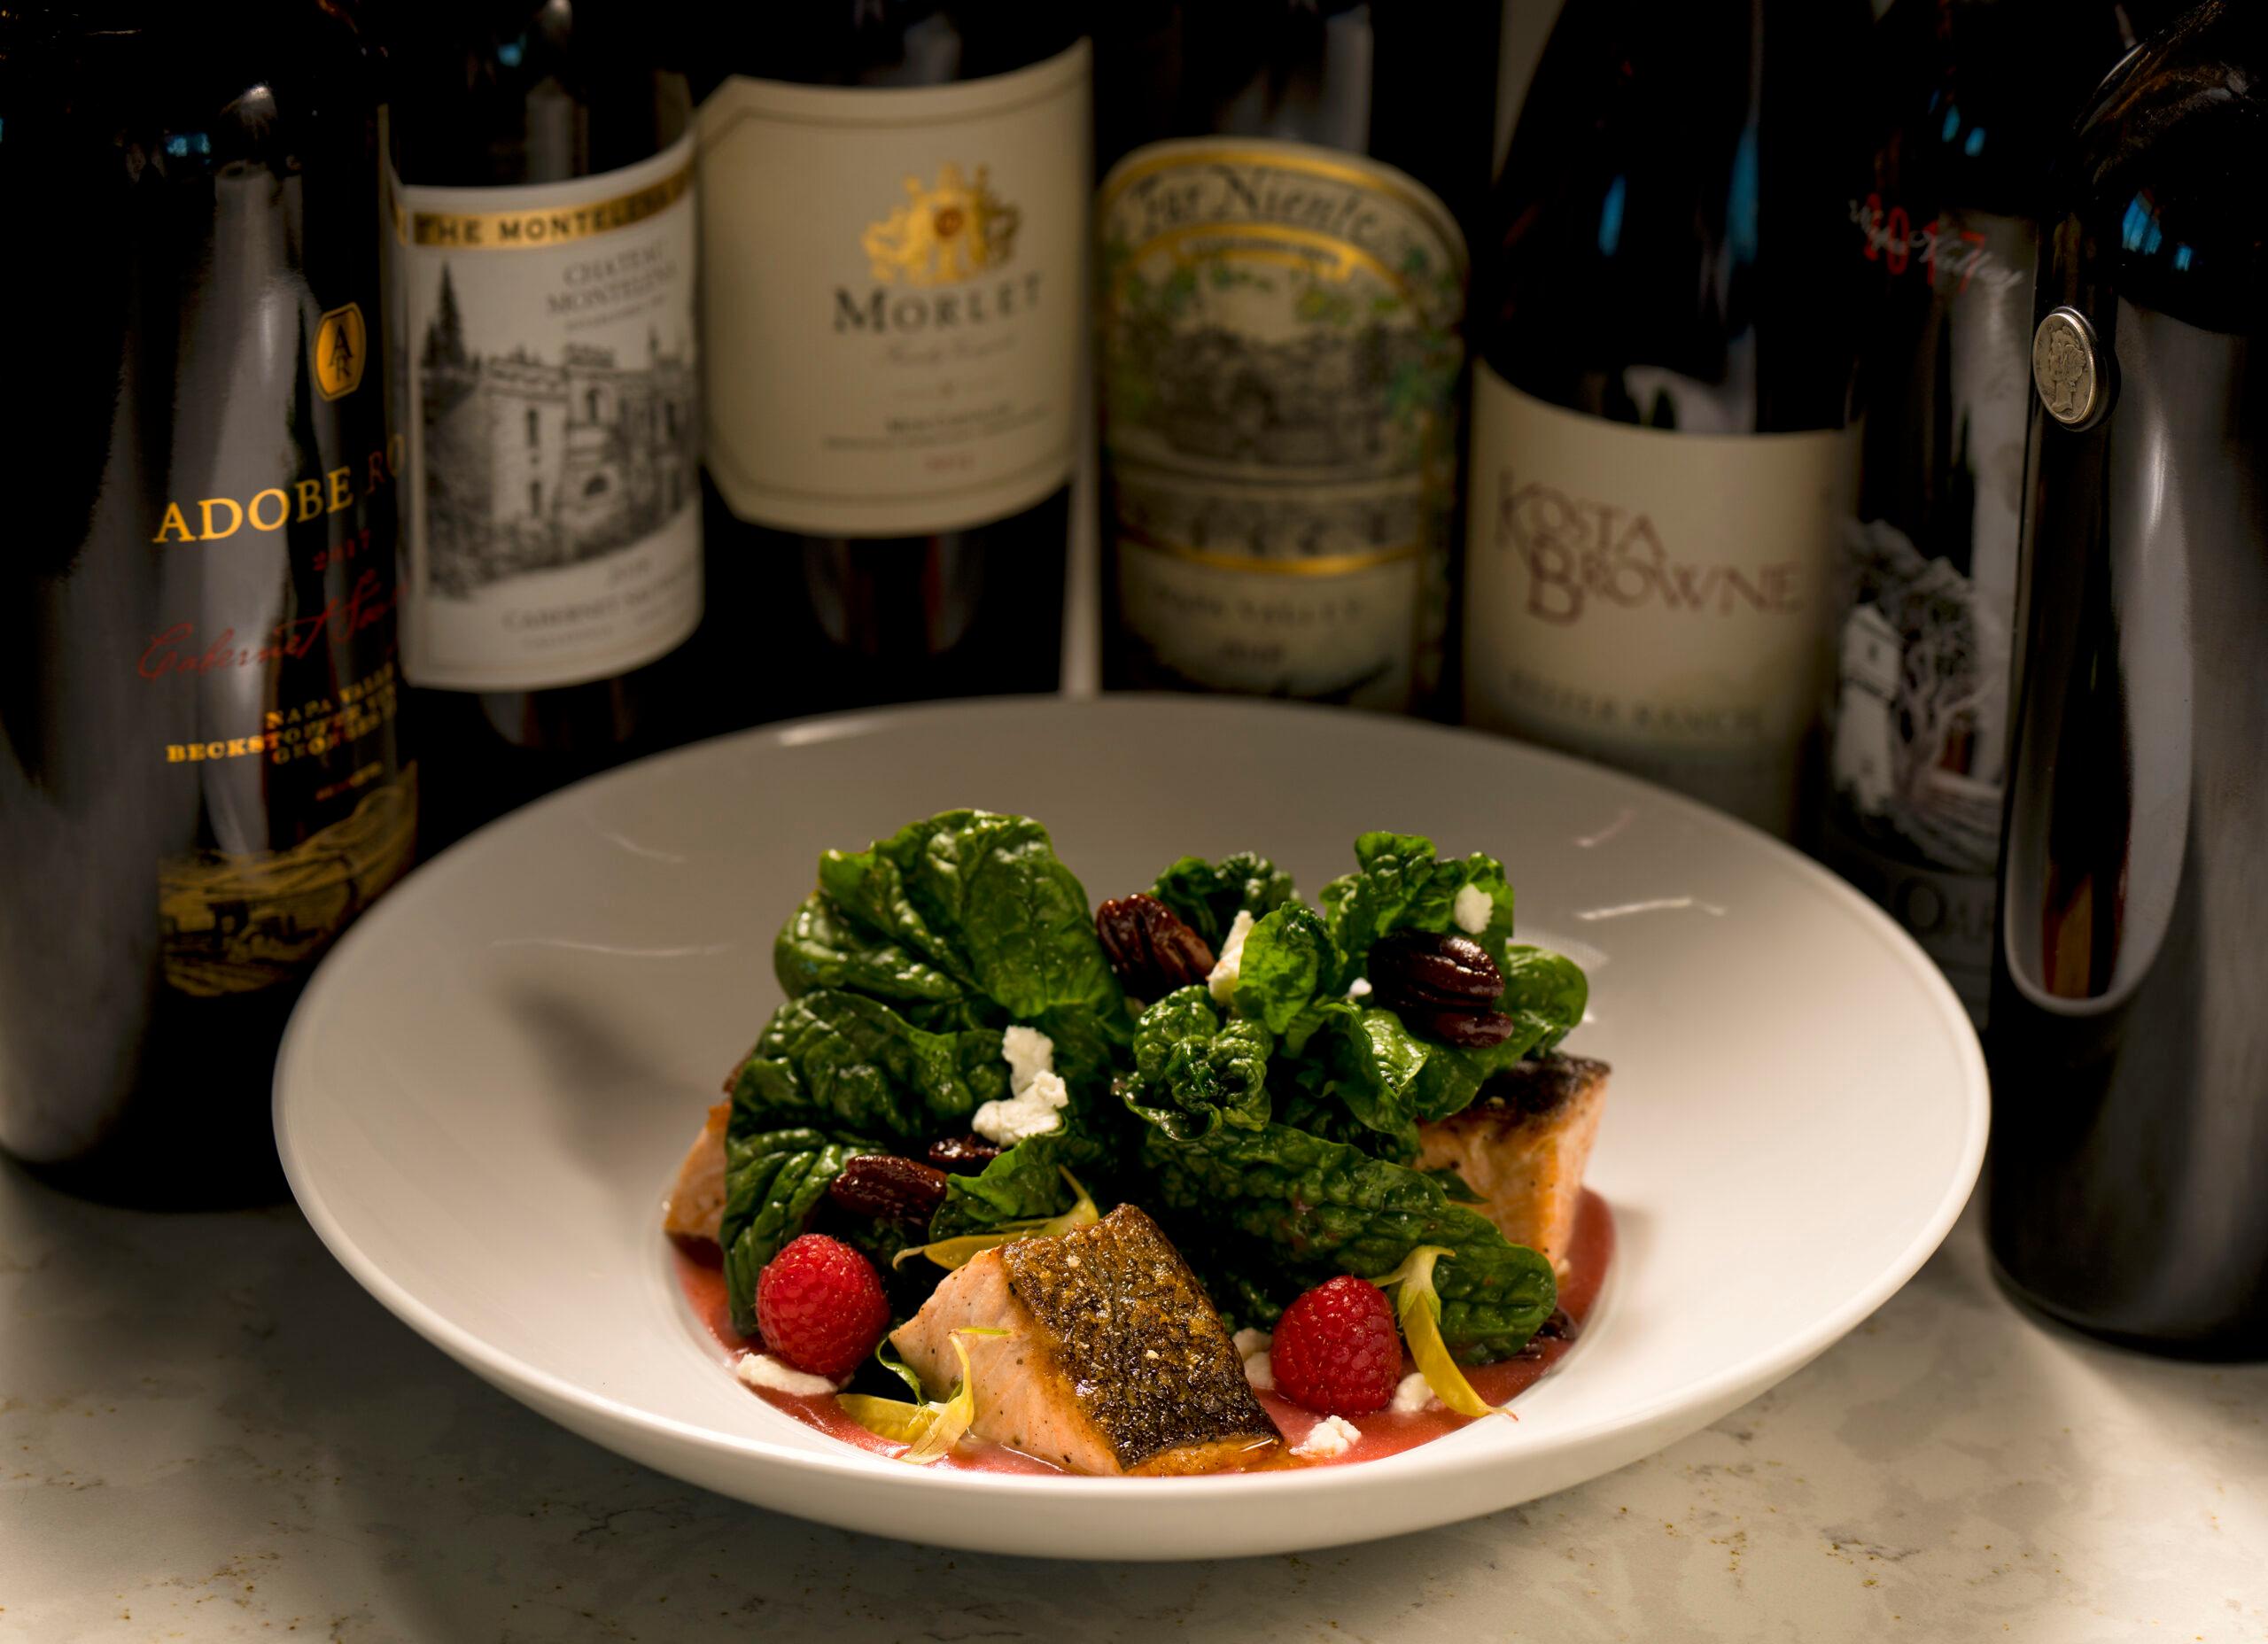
x=1589, y=1253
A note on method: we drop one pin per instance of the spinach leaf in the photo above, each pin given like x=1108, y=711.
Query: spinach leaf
x=1321, y=1207
x=842, y=1061
x=982, y=899
x=818, y=948
x=1546, y=993
x=775, y=1180
x=1192, y=1071
x=1401, y=884
x=1368, y=1060
x=1286, y=958
x=835, y=1074
x=1025, y=1182
x=1208, y=895
x=1387, y=1077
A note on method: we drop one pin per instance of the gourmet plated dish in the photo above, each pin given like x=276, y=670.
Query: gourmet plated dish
x=1340, y=1152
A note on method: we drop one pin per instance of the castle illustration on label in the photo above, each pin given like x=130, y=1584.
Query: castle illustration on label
x=536, y=463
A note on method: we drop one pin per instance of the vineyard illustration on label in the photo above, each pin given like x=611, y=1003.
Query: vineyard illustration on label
x=235, y=923
x=538, y=462
x=1920, y=722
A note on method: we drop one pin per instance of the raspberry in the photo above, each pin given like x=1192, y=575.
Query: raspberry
x=1336, y=1351
x=821, y=1306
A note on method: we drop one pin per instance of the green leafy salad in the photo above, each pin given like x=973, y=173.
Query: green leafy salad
x=1264, y=1112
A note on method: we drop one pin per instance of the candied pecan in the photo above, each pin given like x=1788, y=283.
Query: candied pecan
x=1416, y=969
x=1471, y=1029
x=888, y=1188
x=1150, y=947
x=962, y=1154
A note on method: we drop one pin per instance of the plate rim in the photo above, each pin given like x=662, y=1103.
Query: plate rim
x=857, y=1469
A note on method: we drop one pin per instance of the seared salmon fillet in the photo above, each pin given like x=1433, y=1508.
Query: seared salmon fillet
x=1115, y=1359
x=1522, y=1145
x=695, y=1206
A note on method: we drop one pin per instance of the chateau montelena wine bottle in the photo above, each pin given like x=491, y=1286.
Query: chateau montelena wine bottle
x=199, y=684
x=1661, y=461
x=2128, y=1042
x=549, y=400
x=1978, y=95
x=894, y=199
x=1283, y=232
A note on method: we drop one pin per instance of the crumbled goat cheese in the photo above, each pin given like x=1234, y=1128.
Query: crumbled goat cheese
x=1039, y=1094
x=1028, y=1053
x=1333, y=1435
x=1413, y=1395
x=1472, y=910
x=1252, y=1348
x=1222, y=980
x=761, y=1369
x=1359, y=989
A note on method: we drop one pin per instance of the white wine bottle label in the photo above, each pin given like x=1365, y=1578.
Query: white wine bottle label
x=892, y=298
x=1653, y=599
x=1281, y=348
x=553, y=404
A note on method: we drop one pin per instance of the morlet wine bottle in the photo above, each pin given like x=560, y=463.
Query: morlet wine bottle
x=893, y=200
x=199, y=679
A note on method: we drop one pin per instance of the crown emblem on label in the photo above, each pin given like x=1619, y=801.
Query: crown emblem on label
x=951, y=231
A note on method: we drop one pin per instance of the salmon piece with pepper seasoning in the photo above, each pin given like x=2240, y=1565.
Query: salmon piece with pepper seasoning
x=1522, y=1145
x=1115, y=1361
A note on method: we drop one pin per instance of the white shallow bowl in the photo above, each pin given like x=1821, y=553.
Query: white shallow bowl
x=489, y=1083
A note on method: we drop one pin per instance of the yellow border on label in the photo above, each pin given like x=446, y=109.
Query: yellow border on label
x=1313, y=565
x=541, y=227
x=1373, y=177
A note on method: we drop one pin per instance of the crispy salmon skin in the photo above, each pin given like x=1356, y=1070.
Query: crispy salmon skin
x=1115, y=1360
x=1522, y=1145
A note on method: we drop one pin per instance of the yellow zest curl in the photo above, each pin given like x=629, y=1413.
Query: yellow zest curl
x=1417, y=1306
x=929, y=1430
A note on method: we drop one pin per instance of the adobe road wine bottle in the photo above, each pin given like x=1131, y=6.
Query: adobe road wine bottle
x=1659, y=460
x=548, y=373
x=894, y=197
x=198, y=678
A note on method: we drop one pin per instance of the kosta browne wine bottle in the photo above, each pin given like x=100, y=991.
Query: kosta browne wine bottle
x=1976, y=96
x=893, y=285
x=198, y=682
x=547, y=366
x=2128, y=1044
x=1659, y=460
x=1282, y=235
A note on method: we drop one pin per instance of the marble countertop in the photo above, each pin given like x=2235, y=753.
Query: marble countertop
x=207, y=1431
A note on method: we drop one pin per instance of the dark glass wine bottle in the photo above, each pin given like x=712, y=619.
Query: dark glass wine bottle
x=1283, y=228
x=893, y=207
x=2128, y=1043
x=1659, y=460
x=547, y=390
x=1975, y=97
x=198, y=686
